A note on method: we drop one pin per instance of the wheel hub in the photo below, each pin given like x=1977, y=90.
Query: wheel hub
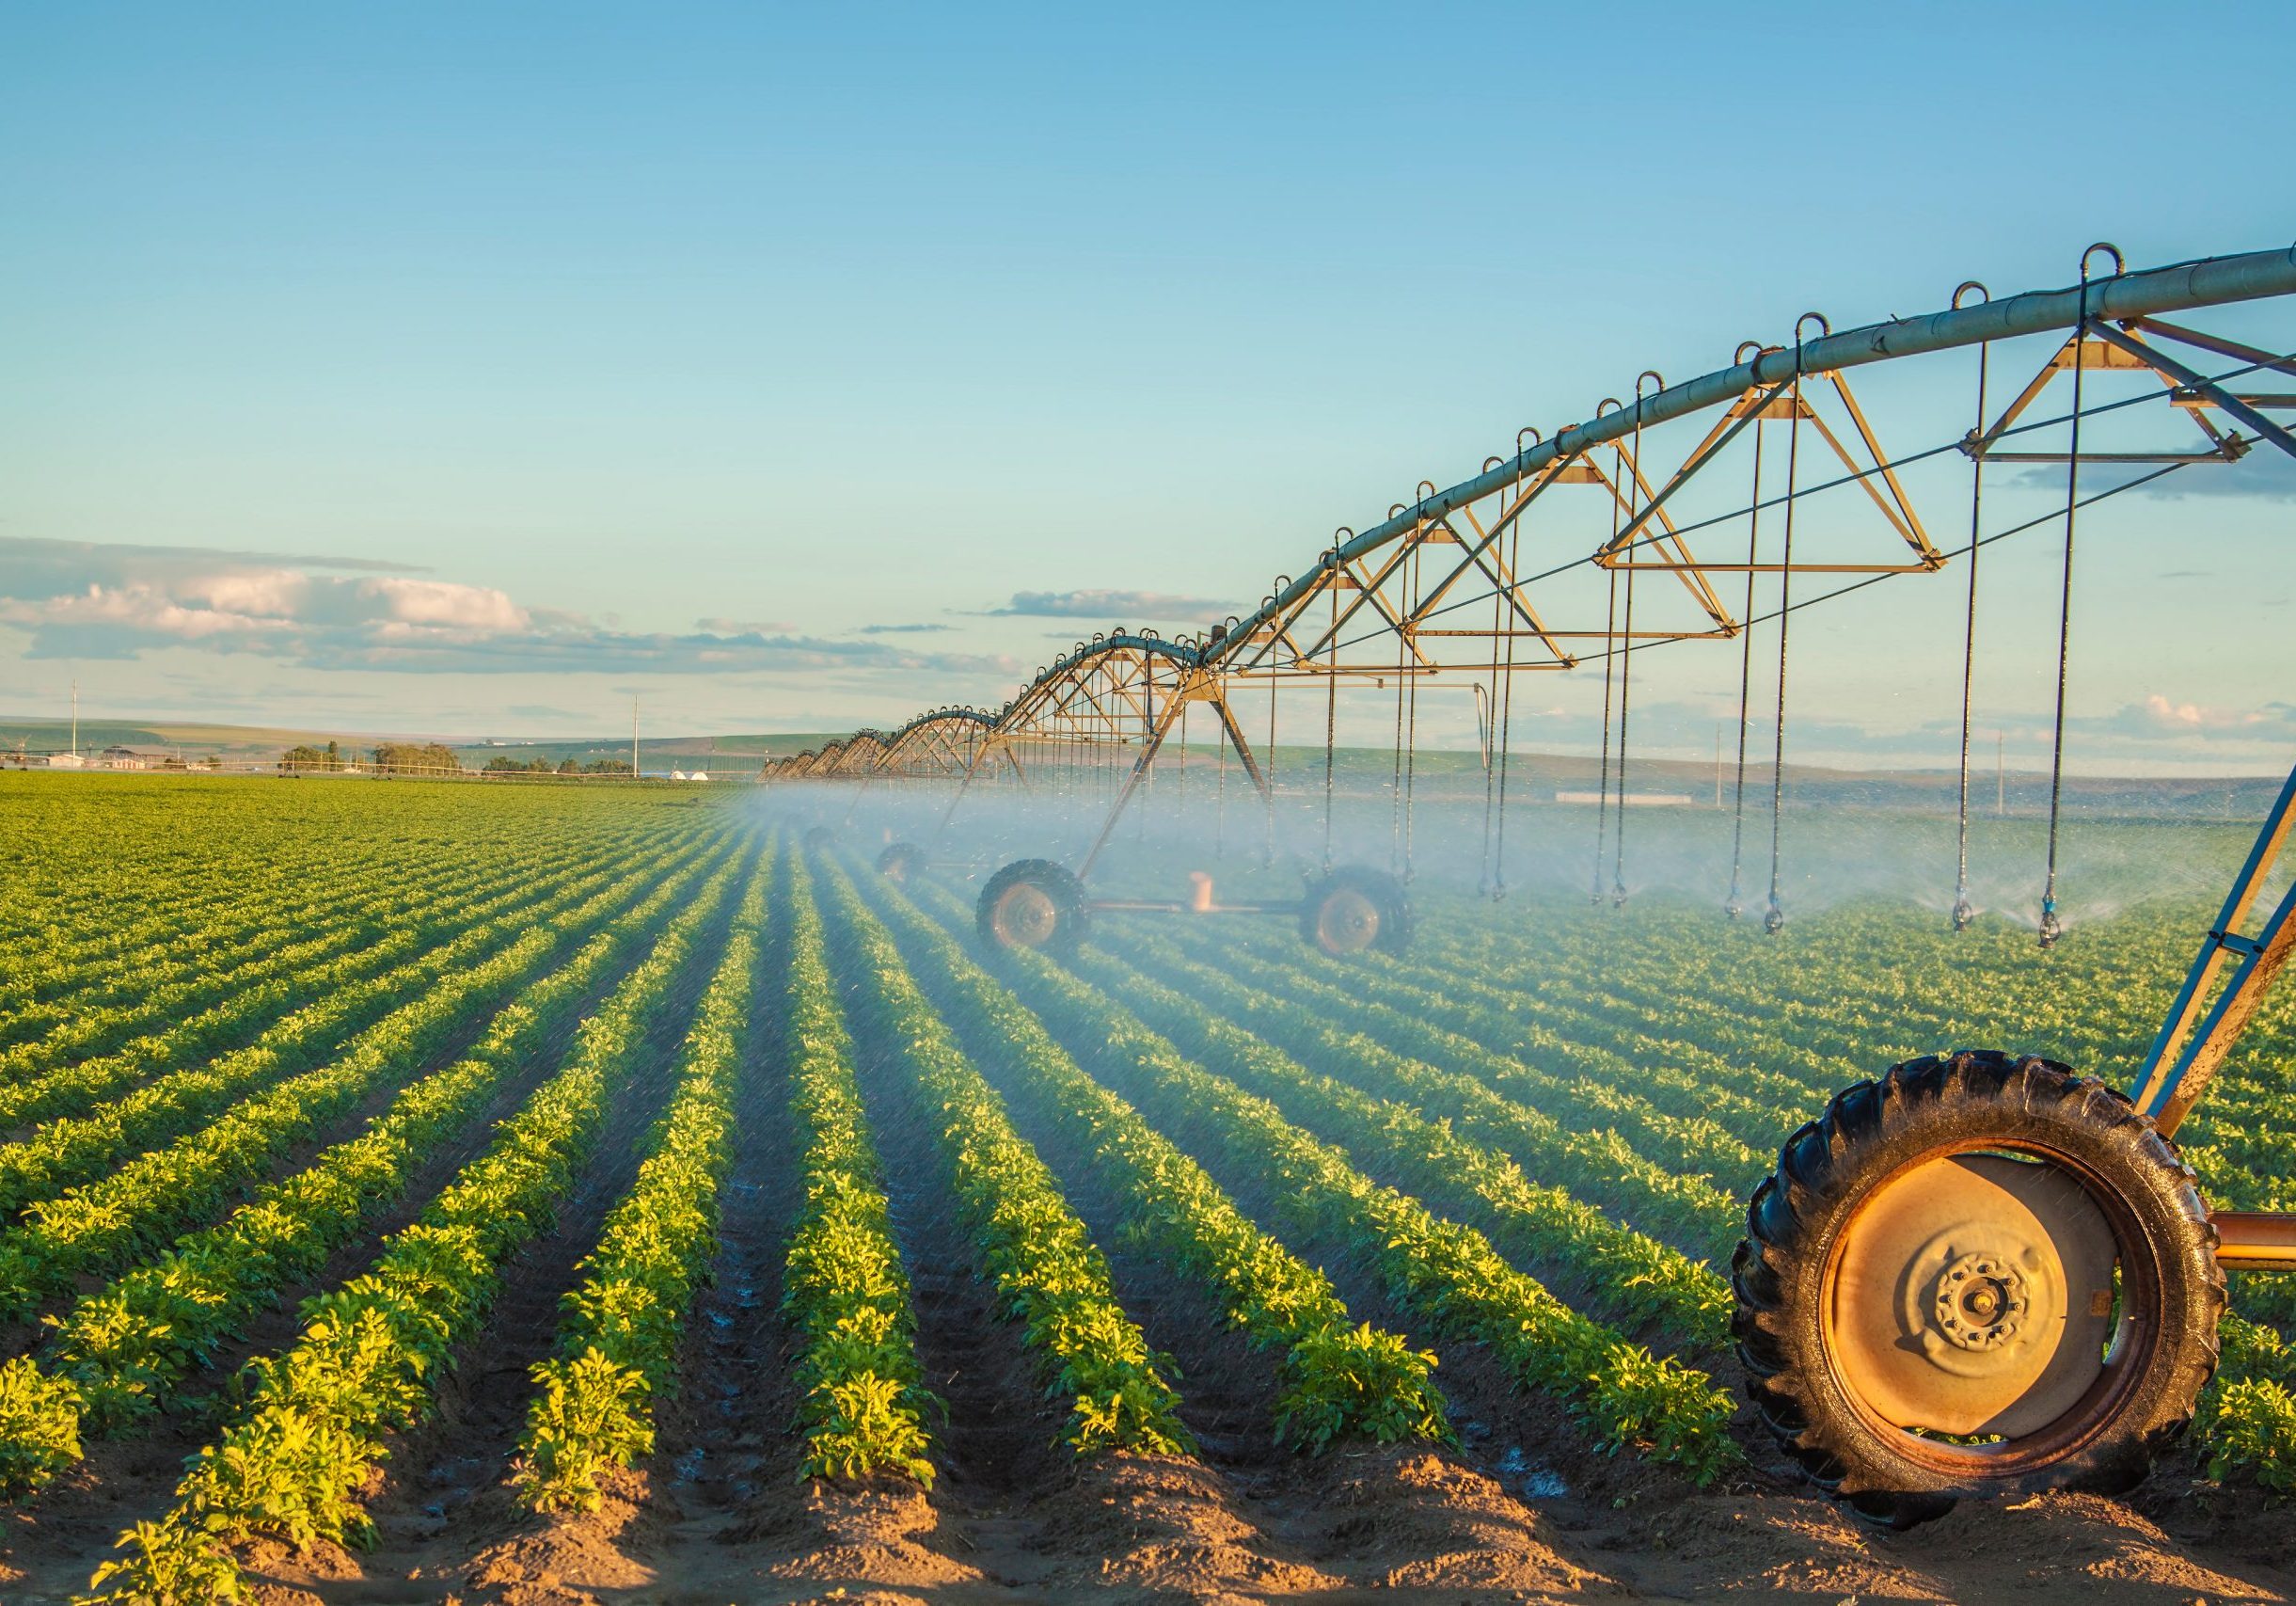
x=1347, y=922
x=1981, y=1303
x=1025, y=916
x=1974, y=1297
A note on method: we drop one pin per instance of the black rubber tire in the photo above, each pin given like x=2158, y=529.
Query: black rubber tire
x=900, y=861
x=1384, y=893
x=1072, y=905
x=1871, y=1131
x=820, y=836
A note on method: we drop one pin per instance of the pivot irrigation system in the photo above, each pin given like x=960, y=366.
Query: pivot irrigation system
x=1983, y=1273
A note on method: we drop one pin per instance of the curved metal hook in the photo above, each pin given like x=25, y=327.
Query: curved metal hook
x=1647, y=373
x=1608, y=405
x=1425, y=489
x=1532, y=430
x=2120, y=263
x=1738, y=357
x=1396, y=507
x=1490, y=463
x=1965, y=287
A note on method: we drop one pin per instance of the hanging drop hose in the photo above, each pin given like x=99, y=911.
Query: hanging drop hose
x=1601, y=796
x=1965, y=912
x=1773, y=917
x=1395, y=784
x=1267, y=846
x=1488, y=717
x=1411, y=739
x=1626, y=662
x=1331, y=725
x=2051, y=928
x=1506, y=722
x=1220, y=784
x=1735, y=905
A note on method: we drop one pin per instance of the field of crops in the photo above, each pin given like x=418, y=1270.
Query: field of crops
x=425, y=1193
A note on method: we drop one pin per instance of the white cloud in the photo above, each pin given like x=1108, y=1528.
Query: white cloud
x=85, y=601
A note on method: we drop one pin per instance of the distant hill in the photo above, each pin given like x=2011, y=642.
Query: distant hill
x=241, y=744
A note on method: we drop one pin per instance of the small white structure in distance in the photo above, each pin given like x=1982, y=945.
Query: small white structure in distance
x=1640, y=800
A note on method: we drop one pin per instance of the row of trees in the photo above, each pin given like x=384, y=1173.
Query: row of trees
x=432, y=759
x=387, y=758
x=506, y=766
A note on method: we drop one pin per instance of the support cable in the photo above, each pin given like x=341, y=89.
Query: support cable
x=1857, y=477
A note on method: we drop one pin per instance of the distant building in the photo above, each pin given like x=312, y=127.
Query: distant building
x=65, y=761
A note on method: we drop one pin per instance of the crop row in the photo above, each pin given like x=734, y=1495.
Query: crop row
x=304, y=881
x=1047, y=1271
x=211, y=962
x=103, y=1226
x=1338, y=1381
x=1469, y=1170
x=371, y=1354
x=2259, y=1435
x=1653, y=1167
x=189, y=1016
x=72, y=1149
x=617, y=1341
x=41, y=993
x=1448, y=1272
x=863, y=1401
x=124, y=1352
x=311, y=1006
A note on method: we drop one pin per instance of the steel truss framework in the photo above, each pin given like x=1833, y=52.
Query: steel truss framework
x=1440, y=587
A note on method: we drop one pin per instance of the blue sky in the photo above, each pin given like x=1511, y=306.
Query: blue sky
x=466, y=368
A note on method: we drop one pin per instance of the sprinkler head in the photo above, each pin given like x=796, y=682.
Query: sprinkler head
x=1732, y=908
x=1963, y=913
x=1774, y=919
x=2052, y=928
x=1617, y=895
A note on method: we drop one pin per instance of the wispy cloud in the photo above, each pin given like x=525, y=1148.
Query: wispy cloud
x=902, y=629
x=1111, y=606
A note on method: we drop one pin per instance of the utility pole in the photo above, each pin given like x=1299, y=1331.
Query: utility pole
x=2001, y=773
x=633, y=736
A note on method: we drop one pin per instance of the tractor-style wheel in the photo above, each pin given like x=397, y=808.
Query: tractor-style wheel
x=1355, y=908
x=900, y=861
x=1982, y=1275
x=1034, y=903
